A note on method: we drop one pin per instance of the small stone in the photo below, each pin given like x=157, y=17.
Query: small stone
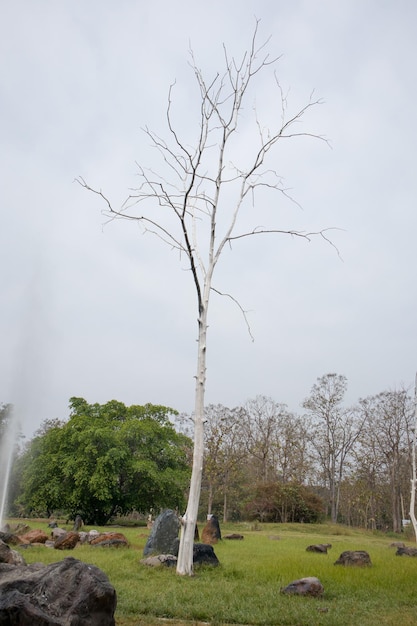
x=309, y=586
x=319, y=547
x=168, y=560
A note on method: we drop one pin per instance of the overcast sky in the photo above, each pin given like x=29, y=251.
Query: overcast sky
x=104, y=312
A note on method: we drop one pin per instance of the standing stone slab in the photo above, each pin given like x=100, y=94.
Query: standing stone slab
x=164, y=535
x=211, y=531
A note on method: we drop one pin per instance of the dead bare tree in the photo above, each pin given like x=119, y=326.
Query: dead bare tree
x=194, y=205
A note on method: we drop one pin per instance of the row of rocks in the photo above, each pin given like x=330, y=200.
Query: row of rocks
x=203, y=554
x=61, y=539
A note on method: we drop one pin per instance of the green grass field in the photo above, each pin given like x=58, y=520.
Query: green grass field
x=245, y=588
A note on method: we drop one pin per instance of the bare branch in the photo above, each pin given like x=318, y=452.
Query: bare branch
x=241, y=309
x=259, y=230
x=148, y=224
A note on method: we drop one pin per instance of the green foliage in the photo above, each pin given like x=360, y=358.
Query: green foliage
x=106, y=459
x=285, y=502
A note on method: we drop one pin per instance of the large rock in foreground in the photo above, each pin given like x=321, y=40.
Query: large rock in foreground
x=67, y=593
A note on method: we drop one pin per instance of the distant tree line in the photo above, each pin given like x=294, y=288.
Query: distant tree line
x=351, y=464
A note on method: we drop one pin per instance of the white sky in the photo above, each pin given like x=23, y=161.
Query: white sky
x=107, y=313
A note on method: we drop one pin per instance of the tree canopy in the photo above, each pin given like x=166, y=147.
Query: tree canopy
x=106, y=459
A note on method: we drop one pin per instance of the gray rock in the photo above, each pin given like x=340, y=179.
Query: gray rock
x=7, y=555
x=359, y=558
x=406, y=551
x=310, y=586
x=169, y=560
x=319, y=547
x=60, y=594
x=163, y=538
x=58, y=532
x=92, y=534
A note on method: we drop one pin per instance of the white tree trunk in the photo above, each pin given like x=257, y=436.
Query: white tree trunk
x=189, y=519
x=414, y=478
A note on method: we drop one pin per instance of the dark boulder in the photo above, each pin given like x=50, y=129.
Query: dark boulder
x=310, y=586
x=359, y=558
x=61, y=594
x=203, y=554
x=163, y=538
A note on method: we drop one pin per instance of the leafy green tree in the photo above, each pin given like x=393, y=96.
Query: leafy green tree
x=106, y=459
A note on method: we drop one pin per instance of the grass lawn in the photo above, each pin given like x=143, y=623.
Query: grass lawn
x=245, y=588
